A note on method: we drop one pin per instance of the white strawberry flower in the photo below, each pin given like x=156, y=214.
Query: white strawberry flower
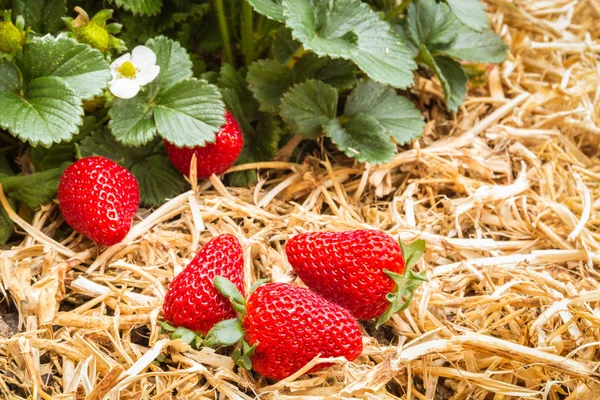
x=132, y=71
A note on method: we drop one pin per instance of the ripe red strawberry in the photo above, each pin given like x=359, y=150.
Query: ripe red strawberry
x=213, y=158
x=359, y=270
x=192, y=300
x=99, y=199
x=291, y=325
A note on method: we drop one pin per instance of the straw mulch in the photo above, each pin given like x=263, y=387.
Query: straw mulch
x=504, y=193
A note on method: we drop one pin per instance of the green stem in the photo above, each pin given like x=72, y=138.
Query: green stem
x=399, y=9
x=247, y=33
x=224, y=31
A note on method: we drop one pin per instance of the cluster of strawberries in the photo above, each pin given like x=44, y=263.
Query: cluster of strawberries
x=350, y=275
x=361, y=274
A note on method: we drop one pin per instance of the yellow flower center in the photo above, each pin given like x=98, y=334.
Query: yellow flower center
x=127, y=69
x=10, y=37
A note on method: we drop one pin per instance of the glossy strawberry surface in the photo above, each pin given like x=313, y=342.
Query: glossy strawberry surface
x=192, y=300
x=99, y=199
x=347, y=268
x=213, y=158
x=291, y=325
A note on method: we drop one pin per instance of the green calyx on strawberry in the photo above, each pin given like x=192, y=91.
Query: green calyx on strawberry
x=365, y=271
x=283, y=327
x=406, y=283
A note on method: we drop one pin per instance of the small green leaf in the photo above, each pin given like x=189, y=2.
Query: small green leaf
x=362, y=138
x=140, y=7
x=82, y=67
x=174, y=61
x=269, y=8
x=231, y=79
x=188, y=336
x=49, y=112
x=10, y=78
x=349, y=29
x=189, y=113
x=244, y=362
x=471, y=13
x=412, y=252
x=268, y=80
x=406, y=285
x=469, y=45
x=6, y=226
x=258, y=284
x=452, y=77
x=229, y=290
x=431, y=23
x=396, y=114
x=43, y=16
x=308, y=106
x=34, y=190
x=225, y=333
x=165, y=325
x=102, y=143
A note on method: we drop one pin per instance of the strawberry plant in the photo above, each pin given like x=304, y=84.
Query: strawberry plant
x=79, y=80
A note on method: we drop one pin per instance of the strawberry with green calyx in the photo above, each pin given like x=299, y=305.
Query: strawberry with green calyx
x=283, y=327
x=192, y=302
x=95, y=31
x=12, y=36
x=364, y=271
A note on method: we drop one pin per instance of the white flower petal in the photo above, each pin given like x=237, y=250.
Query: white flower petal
x=142, y=57
x=124, y=88
x=147, y=75
x=119, y=61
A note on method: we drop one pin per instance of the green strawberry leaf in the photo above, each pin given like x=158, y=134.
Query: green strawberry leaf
x=229, y=78
x=174, y=61
x=48, y=112
x=396, y=114
x=471, y=13
x=269, y=8
x=431, y=23
x=362, y=138
x=82, y=67
x=231, y=292
x=10, y=77
x=339, y=73
x=43, y=16
x=140, y=7
x=268, y=80
x=132, y=120
x=225, y=333
x=308, y=106
x=412, y=252
x=284, y=46
x=6, y=224
x=349, y=29
x=34, y=190
x=189, y=113
x=472, y=46
x=157, y=178
x=452, y=77
x=188, y=336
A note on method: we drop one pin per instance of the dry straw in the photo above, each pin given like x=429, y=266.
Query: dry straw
x=505, y=193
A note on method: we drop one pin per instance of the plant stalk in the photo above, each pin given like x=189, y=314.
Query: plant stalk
x=247, y=33
x=224, y=31
x=399, y=9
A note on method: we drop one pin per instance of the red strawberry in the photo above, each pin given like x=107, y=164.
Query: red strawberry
x=99, y=199
x=359, y=270
x=213, y=158
x=291, y=325
x=192, y=300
